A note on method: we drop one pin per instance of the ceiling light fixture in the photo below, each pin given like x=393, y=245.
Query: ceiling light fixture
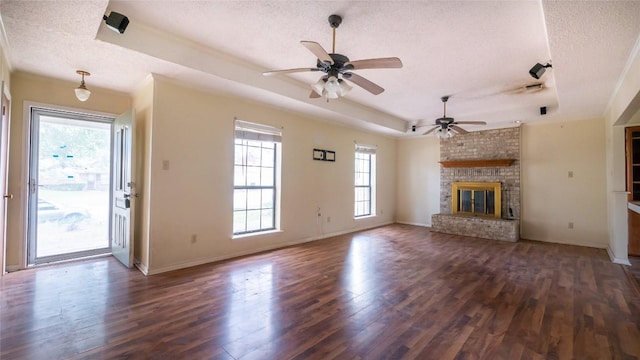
x=116, y=21
x=538, y=70
x=444, y=133
x=331, y=87
x=82, y=93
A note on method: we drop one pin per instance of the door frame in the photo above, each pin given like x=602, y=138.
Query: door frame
x=21, y=197
x=4, y=172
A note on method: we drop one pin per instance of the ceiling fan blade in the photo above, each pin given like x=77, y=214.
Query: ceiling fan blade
x=313, y=95
x=471, y=122
x=364, y=83
x=380, y=63
x=431, y=130
x=288, y=71
x=318, y=51
x=458, y=129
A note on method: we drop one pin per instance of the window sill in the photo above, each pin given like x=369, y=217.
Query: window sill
x=364, y=217
x=253, y=234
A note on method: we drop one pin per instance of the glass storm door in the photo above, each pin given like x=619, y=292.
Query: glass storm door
x=69, y=185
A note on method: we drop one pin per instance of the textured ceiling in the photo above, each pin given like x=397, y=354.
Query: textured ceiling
x=478, y=51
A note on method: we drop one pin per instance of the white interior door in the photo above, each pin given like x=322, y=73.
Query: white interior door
x=4, y=164
x=124, y=195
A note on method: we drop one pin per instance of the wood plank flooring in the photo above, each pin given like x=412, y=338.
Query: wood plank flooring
x=633, y=272
x=395, y=292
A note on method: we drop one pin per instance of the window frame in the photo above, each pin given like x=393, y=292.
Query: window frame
x=250, y=135
x=369, y=159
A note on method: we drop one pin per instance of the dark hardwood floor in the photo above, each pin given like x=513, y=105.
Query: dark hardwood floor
x=633, y=272
x=393, y=292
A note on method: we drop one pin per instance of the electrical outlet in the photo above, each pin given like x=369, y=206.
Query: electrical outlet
x=570, y=225
x=319, y=212
x=570, y=174
x=194, y=238
x=328, y=218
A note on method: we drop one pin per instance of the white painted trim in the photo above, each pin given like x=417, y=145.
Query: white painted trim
x=623, y=75
x=207, y=260
x=13, y=268
x=4, y=42
x=617, y=260
x=142, y=267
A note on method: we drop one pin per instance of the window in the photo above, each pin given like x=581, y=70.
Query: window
x=365, y=161
x=256, y=174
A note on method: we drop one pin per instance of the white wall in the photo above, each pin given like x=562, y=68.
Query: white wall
x=418, y=180
x=194, y=131
x=550, y=198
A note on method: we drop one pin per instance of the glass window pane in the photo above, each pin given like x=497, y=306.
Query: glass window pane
x=465, y=200
x=253, y=156
x=253, y=176
x=239, y=222
x=478, y=202
x=239, y=199
x=254, y=198
x=267, y=219
x=267, y=157
x=239, y=155
x=239, y=176
x=267, y=177
x=253, y=220
x=491, y=202
x=267, y=198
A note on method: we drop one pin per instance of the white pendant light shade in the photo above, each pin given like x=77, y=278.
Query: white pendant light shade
x=82, y=93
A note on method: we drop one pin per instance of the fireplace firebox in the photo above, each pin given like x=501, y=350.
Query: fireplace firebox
x=476, y=199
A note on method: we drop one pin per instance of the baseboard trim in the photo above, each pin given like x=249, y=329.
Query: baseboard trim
x=208, y=260
x=12, y=268
x=142, y=267
x=616, y=260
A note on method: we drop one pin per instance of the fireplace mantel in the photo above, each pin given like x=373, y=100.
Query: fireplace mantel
x=476, y=163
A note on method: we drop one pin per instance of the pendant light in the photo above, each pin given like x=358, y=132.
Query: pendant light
x=82, y=93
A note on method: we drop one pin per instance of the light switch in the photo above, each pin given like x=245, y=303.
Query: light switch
x=165, y=164
x=570, y=174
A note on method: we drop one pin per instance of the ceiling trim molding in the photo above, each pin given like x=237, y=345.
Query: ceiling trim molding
x=4, y=42
x=633, y=57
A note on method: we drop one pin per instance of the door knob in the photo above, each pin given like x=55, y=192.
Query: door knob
x=8, y=196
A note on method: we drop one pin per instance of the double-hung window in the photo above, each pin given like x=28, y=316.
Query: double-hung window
x=365, y=173
x=256, y=177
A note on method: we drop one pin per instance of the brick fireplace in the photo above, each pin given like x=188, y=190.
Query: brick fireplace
x=480, y=160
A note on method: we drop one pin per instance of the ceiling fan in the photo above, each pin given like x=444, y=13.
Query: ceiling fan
x=337, y=68
x=445, y=127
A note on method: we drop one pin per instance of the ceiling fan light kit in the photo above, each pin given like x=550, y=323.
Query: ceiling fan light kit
x=338, y=68
x=331, y=88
